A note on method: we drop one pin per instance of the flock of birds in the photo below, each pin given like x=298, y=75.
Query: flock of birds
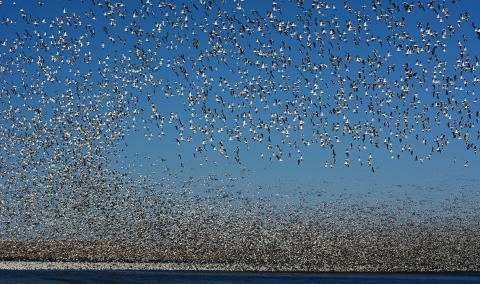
x=232, y=231
x=221, y=81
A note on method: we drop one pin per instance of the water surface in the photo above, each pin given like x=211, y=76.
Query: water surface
x=90, y=276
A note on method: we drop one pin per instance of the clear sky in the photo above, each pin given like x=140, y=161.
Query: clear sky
x=162, y=91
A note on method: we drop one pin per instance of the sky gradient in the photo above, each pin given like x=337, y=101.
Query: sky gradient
x=272, y=97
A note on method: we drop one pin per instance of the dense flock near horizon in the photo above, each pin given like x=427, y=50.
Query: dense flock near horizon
x=120, y=118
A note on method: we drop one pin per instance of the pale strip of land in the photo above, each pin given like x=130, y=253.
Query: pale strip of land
x=60, y=265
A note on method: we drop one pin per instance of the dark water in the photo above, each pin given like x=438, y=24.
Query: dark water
x=70, y=276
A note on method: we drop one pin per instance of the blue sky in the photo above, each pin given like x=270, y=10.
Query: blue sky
x=293, y=56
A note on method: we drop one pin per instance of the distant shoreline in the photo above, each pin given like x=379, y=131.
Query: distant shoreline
x=193, y=266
